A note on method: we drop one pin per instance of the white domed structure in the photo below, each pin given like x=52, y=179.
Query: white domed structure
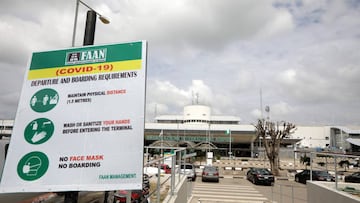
x=197, y=114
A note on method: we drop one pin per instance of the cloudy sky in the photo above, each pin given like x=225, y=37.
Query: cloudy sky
x=302, y=55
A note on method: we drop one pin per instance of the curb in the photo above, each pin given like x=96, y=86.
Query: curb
x=244, y=177
x=281, y=178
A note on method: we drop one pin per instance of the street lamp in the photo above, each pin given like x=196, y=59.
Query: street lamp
x=228, y=132
x=72, y=197
x=267, y=109
x=208, y=136
x=91, y=13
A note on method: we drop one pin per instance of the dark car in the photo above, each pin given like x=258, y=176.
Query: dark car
x=210, y=173
x=303, y=176
x=353, y=178
x=260, y=176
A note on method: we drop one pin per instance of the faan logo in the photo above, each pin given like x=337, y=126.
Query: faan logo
x=87, y=56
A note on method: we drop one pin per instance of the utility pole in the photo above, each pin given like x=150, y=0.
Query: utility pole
x=72, y=197
x=230, y=152
x=89, y=35
x=90, y=28
x=228, y=132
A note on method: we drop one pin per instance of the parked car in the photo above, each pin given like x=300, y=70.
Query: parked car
x=210, y=173
x=303, y=176
x=137, y=196
x=151, y=171
x=353, y=178
x=166, y=168
x=189, y=170
x=260, y=176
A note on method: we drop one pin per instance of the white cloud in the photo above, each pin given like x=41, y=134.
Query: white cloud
x=281, y=23
x=201, y=92
x=256, y=113
x=288, y=77
x=167, y=96
x=281, y=109
x=164, y=92
x=302, y=54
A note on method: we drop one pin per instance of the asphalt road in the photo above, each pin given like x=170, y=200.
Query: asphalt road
x=229, y=189
x=241, y=190
x=284, y=191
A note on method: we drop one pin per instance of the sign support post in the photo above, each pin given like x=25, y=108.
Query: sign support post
x=89, y=35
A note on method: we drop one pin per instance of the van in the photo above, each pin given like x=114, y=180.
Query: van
x=189, y=170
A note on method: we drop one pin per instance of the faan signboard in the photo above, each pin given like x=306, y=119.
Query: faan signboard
x=80, y=121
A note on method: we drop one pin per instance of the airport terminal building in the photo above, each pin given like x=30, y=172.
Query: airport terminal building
x=6, y=127
x=199, y=130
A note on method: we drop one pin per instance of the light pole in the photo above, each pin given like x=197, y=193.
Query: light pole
x=230, y=152
x=267, y=109
x=72, y=196
x=92, y=13
x=208, y=136
x=228, y=132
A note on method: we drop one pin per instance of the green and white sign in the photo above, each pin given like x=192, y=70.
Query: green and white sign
x=32, y=166
x=44, y=100
x=80, y=121
x=39, y=131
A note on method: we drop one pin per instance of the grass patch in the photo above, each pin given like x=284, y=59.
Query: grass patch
x=164, y=189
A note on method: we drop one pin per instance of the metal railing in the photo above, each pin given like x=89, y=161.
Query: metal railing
x=175, y=177
x=283, y=193
x=336, y=158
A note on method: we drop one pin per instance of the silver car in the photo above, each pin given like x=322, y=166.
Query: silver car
x=210, y=173
x=189, y=170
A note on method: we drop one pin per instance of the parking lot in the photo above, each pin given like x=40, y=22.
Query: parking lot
x=285, y=188
x=241, y=190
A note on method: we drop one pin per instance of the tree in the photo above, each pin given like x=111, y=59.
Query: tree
x=272, y=133
x=306, y=161
x=344, y=164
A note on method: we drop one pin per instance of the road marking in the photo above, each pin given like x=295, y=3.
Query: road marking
x=204, y=200
x=216, y=193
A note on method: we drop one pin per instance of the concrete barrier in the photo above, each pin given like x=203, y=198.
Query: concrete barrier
x=329, y=193
x=181, y=192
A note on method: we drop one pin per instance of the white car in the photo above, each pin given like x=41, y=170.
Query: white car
x=152, y=171
x=189, y=170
